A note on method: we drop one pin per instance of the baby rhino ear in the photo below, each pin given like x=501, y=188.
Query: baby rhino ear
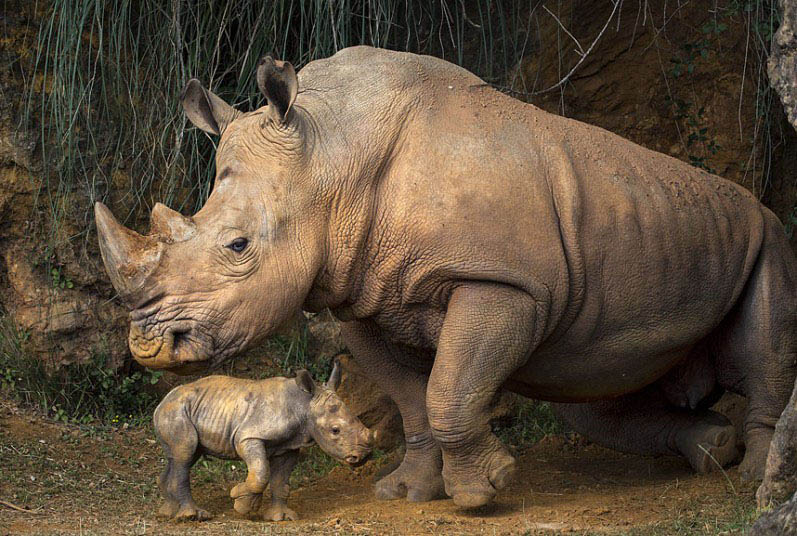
x=305, y=381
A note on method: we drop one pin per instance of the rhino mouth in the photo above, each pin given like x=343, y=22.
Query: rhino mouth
x=177, y=348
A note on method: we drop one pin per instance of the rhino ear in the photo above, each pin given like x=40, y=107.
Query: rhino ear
x=305, y=381
x=277, y=81
x=205, y=109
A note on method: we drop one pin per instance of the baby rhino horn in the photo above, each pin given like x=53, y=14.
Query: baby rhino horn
x=334, y=377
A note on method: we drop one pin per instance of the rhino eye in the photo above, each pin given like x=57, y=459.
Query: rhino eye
x=335, y=430
x=238, y=245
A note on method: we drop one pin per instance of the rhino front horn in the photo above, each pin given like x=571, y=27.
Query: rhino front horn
x=128, y=257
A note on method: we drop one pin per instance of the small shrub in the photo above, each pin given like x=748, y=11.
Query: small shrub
x=291, y=354
x=529, y=422
x=791, y=222
x=77, y=392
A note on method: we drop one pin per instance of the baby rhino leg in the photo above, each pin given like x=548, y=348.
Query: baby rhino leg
x=281, y=469
x=248, y=495
x=179, y=439
x=644, y=423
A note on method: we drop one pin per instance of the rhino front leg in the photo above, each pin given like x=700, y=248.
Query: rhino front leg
x=418, y=478
x=488, y=333
x=281, y=469
x=248, y=495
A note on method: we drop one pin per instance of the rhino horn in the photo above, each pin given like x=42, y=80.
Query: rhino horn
x=169, y=225
x=334, y=377
x=128, y=257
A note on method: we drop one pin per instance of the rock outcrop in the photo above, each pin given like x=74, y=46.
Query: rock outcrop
x=782, y=63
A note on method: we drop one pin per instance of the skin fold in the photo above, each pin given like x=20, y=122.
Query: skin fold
x=469, y=242
x=264, y=423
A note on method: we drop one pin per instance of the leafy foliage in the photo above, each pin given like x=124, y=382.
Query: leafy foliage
x=77, y=392
x=108, y=74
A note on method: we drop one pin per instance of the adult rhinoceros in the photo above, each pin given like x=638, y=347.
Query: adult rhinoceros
x=468, y=242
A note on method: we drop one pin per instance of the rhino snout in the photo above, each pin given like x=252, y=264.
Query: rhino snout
x=356, y=460
x=365, y=444
x=167, y=350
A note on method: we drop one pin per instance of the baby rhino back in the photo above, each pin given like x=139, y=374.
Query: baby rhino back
x=214, y=414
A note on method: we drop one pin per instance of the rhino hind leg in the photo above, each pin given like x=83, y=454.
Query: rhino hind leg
x=646, y=423
x=281, y=469
x=170, y=504
x=757, y=345
x=180, y=445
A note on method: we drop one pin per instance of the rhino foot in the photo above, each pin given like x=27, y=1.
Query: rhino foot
x=469, y=489
x=419, y=480
x=192, y=513
x=708, y=446
x=755, y=456
x=168, y=509
x=280, y=512
x=247, y=504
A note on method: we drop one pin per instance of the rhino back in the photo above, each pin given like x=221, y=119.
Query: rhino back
x=226, y=410
x=634, y=255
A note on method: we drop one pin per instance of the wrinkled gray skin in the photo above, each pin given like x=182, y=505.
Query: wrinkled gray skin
x=263, y=423
x=469, y=242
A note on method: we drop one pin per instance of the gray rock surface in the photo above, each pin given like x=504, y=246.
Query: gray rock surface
x=779, y=522
x=782, y=65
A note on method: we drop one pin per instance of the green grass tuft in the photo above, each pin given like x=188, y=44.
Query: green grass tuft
x=529, y=422
x=78, y=392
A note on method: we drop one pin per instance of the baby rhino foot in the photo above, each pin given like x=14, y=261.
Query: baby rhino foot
x=471, y=487
x=708, y=446
x=192, y=513
x=168, y=509
x=246, y=502
x=280, y=512
x=418, y=481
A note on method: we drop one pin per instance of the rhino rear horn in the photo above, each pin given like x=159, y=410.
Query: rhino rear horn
x=205, y=109
x=169, y=225
x=128, y=257
x=277, y=81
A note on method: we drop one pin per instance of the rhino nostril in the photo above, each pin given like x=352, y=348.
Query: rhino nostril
x=180, y=338
x=352, y=460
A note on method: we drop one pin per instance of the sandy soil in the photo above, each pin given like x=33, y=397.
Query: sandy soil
x=80, y=481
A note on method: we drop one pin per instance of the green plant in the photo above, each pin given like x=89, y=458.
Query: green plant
x=529, y=422
x=313, y=464
x=791, y=222
x=699, y=144
x=291, y=353
x=77, y=392
x=60, y=280
x=103, y=94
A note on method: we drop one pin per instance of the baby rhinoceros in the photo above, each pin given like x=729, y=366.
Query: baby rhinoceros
x=263, y=423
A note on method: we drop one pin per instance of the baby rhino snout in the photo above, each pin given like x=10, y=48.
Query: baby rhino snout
x=356, y=460
x=362, y=452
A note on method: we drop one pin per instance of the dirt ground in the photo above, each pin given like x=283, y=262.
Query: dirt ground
x=81, y=480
